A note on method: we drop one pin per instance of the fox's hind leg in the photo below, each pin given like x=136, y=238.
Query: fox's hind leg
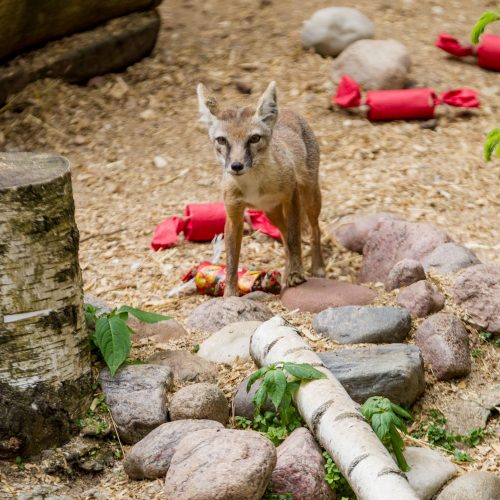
x=311, y=201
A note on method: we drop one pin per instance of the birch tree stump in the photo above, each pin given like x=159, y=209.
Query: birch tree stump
x=333, y=417
x=45, y=379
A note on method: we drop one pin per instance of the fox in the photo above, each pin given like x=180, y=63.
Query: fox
x=270, y=160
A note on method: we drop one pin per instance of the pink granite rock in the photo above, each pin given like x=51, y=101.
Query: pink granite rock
x=396, y=240
x=421, y=298
x=318, y=294
x=404, y=273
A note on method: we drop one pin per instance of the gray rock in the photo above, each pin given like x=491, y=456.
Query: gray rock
x=150, y=458
x=161, y=332
x=477, y=290
x=471, y=410
x=404, y=273
x=42, y=492
x=354, y=324
x=317, y=294
x=226, y=464
x=260, y=296
x=429, y=471
x=242, y=401
x=185, y=366
x=421, y=298
x=219, y=312
x=300, y=468
x=96, y=302
x=449, y=258
x=352, y=232
x=444, y=343
x=199, y=401
x=395, y=371
x=137, y=398
x=329, y=31
x=229, y=343
x=392, y=241
x=374, y=64
x=475, y=485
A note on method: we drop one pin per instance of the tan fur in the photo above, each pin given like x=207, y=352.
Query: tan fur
x=279, y=175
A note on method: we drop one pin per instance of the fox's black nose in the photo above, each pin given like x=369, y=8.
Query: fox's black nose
x=236, y=166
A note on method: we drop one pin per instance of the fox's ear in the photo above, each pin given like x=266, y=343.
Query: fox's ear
x=207, y=106
x=267, y=108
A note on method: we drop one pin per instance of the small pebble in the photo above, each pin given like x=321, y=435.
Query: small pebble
x=159, y=162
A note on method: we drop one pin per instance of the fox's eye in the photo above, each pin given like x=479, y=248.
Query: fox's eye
x=221, y=140
x=254, y=139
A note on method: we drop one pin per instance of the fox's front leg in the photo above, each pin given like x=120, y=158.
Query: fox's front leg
x=295, y=273
x=233, y=233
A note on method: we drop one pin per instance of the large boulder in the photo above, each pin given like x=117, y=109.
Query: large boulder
x=449, y=258
x=300, y=468
x=317, y=294
x=137, y=398
x=199, y=401
x=374, y=64
x=352, y=232
x=395, y=371
x=477, y=290
x=476, y=485
x=227, y=464
x=217, y=313
x=329, y=31
x=229, y=343
x=356, y=324
x=444, y=343
x=150, y=457
x=393, y=241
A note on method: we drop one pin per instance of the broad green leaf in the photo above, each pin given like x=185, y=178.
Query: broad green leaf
x=485, y=19
x=144, y=316
x=256, y=375
x=260, y=397
x=303, y=371
x=279, y=387
x=401, y=411
x=397, y=448
x=492, y=144
x=112, y=337
x=293, y=387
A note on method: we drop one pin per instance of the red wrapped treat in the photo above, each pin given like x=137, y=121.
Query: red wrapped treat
x=210, y=279
x=202, y=222
x=487, y=52
x=404, y=104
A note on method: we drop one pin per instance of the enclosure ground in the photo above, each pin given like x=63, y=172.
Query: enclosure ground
x=112, y=128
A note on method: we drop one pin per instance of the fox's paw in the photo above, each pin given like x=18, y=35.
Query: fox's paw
x=295, y=279
x=319, y=272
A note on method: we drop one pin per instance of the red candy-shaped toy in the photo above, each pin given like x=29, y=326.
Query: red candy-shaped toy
x=487, y=52
x=404, y=104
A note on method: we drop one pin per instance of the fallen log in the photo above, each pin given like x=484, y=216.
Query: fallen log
x=333, y=417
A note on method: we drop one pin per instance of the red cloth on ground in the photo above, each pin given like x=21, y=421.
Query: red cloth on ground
x=203, y=221
x=487, y=51
x=403, y=104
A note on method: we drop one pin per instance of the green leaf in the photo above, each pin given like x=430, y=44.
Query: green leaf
x=279, y=387
x=485, y=19
x=397, y=448
x=492, y=144
x=256, y=375
x=112, y=337
x=144, y=316
x=260, y=397
x=303, y=371
x=401, y=411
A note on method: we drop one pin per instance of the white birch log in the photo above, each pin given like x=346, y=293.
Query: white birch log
x=45, y=378
x=333, y=417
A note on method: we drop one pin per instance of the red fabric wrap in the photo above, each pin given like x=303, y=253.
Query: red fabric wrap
x=348, y=93
x=401, y=104
x=202, y=222
x=462, y=98
x=488, y=52
x=453, y=46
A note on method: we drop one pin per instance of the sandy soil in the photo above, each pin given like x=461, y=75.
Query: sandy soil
x=112, y=129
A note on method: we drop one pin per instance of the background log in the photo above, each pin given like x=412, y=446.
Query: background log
x=45, y=380
x=25, y=23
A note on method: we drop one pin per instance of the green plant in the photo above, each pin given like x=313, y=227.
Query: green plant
x=336, y=480
x=492, y=144
x=19, y=463
x=386, y=419
x=477, y=353
x=269, y=495
x=488, y=338
x=112, y=334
